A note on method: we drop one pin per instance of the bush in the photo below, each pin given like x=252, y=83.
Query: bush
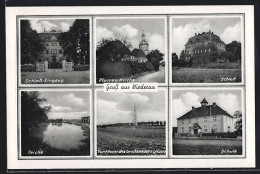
x=80, y=67
x=28, y=68
x=220, y=135
x=148, y=66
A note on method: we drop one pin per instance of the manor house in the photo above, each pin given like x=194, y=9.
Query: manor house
x=53, y=52
x=205, y=119
x=203, y=43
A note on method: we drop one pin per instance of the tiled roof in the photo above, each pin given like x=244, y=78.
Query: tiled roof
x=205, y=111
x=202, y=37
x=138, y=52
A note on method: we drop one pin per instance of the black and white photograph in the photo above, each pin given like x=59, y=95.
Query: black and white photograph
x=131, y=124
x=207, y=122
x=130, y=49
x=55, y=123
x=207, y=49
x=55, y=51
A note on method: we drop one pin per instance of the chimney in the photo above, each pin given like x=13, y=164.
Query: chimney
x=214, y=104
x=195, y=34
x=193, y=108
x=209, y=31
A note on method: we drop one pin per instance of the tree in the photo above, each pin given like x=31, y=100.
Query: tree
x=235, y=48
x=111, y=50
x=31, y=44
x=76, y=42
x=238, y=124
x=32, y=112
x=174, y=59
x=155, y=56
x=182, y=55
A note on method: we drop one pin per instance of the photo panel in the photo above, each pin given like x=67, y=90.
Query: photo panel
x=54, y=51
x=131, y=48
x=207, y=49
x=55, y=123
x=131, y=124
x=207, y=122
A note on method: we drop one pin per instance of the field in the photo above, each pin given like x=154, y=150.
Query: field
x=196, y=75
x=73, y=77
x=131, y=141
x=206, y=147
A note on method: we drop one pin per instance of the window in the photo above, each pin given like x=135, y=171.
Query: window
x=54, y=51
x=182, y=121
x=189, y=129
x=46, y=44
x=205, y=50
x=47, y=51
x=189, y=120
x=182, y=129
x=205, y=129
x=195, y=51
x=54, y=44
x=209, y=49
x=214, y=118
x=205, y=119
x=197, y=120
x=60, y=51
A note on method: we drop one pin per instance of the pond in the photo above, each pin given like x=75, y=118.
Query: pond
x=64, y=136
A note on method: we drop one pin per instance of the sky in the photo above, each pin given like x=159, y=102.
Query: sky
x=67, y=104
x=154, y=30
x=51, y=24
x=183, y=100
x=119, y=107
x=227, y=28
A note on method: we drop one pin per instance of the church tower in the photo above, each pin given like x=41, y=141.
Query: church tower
x=135, y=116
x=144, y=46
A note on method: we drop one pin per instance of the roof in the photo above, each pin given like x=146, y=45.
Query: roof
x=205, y=111
x=46, y=36
x=205, y=36
x=138, y=53
x=195, y=125
x=204, y=101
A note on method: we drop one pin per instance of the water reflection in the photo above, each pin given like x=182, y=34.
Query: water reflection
x=63, y=136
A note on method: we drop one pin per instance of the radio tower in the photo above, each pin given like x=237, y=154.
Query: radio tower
x=135, y=116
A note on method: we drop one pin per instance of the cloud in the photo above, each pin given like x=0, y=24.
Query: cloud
x=227, y=101
x=64, y=26
x=60, y=108
x=103, y=33
x=67, y=115
x=181, y=34
x=231, y=33
x=183, y=104
x=39, y=26
x=156, y=41
x=119, y=107
x=73, y=100
x=126, y=30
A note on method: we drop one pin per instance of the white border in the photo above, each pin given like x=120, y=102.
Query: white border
x=11, y=60
x=210, y=89
x=133, y=156
x=208, y=16
x=166, y=56
x=19, y=18
x=20, y=157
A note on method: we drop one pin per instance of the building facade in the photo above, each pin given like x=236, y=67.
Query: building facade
x=205, y=119
x=203, y=43
x=53, y=51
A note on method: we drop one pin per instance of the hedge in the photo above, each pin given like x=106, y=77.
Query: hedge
x=80, y=67
x=28, y=68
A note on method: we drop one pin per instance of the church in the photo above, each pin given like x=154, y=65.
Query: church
x=205, y=119
x=202, y=44
x=138, y=55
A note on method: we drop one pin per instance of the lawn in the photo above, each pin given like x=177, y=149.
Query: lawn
x=196, y=75
x=206, y=147
x=56, y=76
x=131, y=141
